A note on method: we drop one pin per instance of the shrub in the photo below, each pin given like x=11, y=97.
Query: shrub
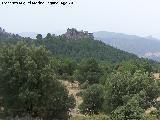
x=121, y=87
x=88, y=70
x=92, y=99
x=94, y=117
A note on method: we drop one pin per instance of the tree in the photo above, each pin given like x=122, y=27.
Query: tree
x=89, y=70
x=85, y=48
x=68, y=66
x=64, y=68
x=146, y=66
x=121, y=87
x=93, y=117
x=28, y=84
x=130, y=111
x=39, y=37
x=92, y=99
x=129, y=66
x=48, y=36
x=133, y=65
x=115, y=89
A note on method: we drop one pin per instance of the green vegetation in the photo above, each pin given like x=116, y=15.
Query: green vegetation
x=121, y=87
x=92, y=99
x=65, y=68
x=130, y=111
x=88, y=70
x=28, y=84
x=93, y=117
x=115, y=85
x=83, y=48
x=39, y=37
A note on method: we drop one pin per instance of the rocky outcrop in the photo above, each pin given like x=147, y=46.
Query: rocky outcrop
x=75, y=34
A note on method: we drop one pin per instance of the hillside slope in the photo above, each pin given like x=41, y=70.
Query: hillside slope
x=143, y=47
x=85, y=48
x=76, y=45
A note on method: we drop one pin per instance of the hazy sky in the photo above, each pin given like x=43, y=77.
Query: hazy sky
x=140, y=17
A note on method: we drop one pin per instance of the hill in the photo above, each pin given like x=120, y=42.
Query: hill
x=84, y=47
x=148, y=47
x=76, y=45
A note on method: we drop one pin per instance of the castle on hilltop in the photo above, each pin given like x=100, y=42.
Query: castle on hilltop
x=75, y=34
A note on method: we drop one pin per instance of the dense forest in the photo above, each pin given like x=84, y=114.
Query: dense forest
x=113, y=84
x=77, y=49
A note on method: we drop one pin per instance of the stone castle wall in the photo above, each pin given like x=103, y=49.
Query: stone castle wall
x=75, y=34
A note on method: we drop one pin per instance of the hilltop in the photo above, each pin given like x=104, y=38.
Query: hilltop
x=78, y=45
x=75, y=34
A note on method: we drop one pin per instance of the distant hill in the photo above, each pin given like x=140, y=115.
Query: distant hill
x=148, y=47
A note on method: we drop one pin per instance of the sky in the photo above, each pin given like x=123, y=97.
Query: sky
x=138, y=17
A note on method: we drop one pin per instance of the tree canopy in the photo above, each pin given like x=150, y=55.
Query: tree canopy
x=29, y=86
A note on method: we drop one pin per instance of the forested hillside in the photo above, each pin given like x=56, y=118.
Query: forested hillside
x=84, y=48
x=43, y=79
x=76, y=49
